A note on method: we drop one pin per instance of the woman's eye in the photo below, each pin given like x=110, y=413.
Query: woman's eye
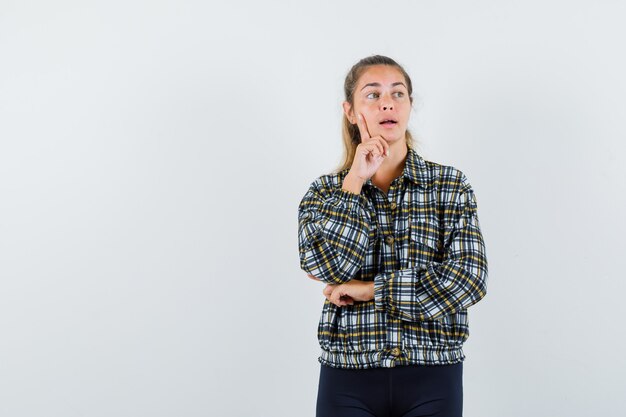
x=376, y=95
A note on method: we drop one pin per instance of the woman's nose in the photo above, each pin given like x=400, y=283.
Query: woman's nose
x=386, y=104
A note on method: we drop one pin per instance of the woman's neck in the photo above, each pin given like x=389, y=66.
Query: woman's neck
x=393, y=165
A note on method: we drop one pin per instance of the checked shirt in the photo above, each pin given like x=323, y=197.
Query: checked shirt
x=422, y=246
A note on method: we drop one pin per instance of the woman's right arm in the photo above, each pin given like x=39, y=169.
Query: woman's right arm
x=333, y=232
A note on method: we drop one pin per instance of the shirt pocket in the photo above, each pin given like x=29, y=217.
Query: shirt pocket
x=425, y=241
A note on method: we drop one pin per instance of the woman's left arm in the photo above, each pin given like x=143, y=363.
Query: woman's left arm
x=434, y=289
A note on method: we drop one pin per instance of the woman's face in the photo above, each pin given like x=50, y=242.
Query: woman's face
x=381, y=94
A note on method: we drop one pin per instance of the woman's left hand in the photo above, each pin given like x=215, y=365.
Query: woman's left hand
x=347, y=293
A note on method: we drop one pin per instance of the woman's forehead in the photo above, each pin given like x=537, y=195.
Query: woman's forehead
x=384, y=75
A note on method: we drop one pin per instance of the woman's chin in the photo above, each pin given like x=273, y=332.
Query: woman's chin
x=393, y=138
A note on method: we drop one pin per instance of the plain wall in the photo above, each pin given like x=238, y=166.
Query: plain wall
x=153, y=155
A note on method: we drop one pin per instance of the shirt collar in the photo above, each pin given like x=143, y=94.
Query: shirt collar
x=415, y=170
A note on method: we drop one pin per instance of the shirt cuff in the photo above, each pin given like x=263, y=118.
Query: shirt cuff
x=381, y=293
x=346, y=196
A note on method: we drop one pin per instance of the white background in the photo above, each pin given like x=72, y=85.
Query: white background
x=153, y=155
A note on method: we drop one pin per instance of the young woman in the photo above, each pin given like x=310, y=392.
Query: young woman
x=397, y=242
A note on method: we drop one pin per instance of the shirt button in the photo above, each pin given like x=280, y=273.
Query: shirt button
x=396, y=351
x=306, y=215
x=389, y=240
x=393, y=206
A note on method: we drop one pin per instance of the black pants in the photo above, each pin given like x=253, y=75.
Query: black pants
x=402, y=391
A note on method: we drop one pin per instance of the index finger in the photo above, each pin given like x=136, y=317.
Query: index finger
x=360, y=122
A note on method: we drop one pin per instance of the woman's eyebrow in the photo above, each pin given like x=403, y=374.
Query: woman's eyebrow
x=378, y=85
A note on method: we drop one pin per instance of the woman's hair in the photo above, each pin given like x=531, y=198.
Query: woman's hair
x=350, y=133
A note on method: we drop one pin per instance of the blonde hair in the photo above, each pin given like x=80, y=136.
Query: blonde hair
x=349, y=132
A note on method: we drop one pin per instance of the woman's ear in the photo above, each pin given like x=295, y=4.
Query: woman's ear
x=347, y=110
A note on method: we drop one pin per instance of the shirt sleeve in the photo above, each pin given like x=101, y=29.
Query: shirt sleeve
x=435, y=289
x=333, y=233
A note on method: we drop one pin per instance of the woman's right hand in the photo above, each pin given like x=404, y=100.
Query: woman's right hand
x=369, y=154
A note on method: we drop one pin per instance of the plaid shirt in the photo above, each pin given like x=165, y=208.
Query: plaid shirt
x=422, y=246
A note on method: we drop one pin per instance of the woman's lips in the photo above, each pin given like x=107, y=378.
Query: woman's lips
x=388, y=125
